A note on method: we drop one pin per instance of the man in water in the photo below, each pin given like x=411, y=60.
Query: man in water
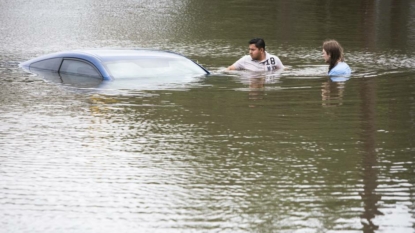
x=258, y=59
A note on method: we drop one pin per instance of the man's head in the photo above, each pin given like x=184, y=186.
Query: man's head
x=257, y=49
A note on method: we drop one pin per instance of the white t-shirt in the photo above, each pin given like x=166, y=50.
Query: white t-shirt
x=270, y=63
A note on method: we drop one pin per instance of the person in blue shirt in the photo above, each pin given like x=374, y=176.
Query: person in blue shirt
x=333, y=55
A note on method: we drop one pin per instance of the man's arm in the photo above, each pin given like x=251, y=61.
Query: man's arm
x=232, y=67
x=238, y=65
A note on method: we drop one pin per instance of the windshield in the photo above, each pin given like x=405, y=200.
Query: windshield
x=149, y=67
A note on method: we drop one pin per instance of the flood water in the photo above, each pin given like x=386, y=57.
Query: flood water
x=231, y=152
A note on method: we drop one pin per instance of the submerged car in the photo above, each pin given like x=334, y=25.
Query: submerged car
x=93, y=66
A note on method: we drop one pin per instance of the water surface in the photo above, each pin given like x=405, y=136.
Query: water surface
x=233, y=152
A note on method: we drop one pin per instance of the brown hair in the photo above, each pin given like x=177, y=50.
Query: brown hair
x=335, y=50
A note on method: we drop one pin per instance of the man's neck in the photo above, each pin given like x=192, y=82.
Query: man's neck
x=264, y=55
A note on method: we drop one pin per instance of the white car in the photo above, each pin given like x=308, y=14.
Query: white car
x=106, y=65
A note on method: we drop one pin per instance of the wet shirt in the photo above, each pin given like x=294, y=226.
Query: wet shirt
x=341, y=69
x=270, y=63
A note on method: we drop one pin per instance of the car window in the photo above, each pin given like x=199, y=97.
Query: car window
x=78, y=67
x=52, y=64
x=153, y=67
x=80, y=81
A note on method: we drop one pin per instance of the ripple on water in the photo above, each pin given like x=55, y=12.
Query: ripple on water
x=232, y=152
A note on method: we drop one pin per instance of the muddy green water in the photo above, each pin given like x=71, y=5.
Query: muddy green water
x=232, y=152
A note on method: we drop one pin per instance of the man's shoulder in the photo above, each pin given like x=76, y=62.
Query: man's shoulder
x=247, y=57
x=271, y=55
x=244, y=58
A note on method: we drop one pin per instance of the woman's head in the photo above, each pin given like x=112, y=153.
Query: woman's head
x=332, y=53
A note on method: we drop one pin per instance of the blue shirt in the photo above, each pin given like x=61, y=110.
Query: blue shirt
x=341, y=69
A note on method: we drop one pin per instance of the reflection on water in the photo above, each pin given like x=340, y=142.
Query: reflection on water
x=201, y=159
x=369, y=162
x=332, y=92
x=295, y=151
x=256, y=85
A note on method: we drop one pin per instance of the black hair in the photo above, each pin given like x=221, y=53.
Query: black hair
x=259, y=43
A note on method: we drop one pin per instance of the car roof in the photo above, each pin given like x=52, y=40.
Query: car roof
x=115, y=54
x=100, y=56
x=104, y=55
